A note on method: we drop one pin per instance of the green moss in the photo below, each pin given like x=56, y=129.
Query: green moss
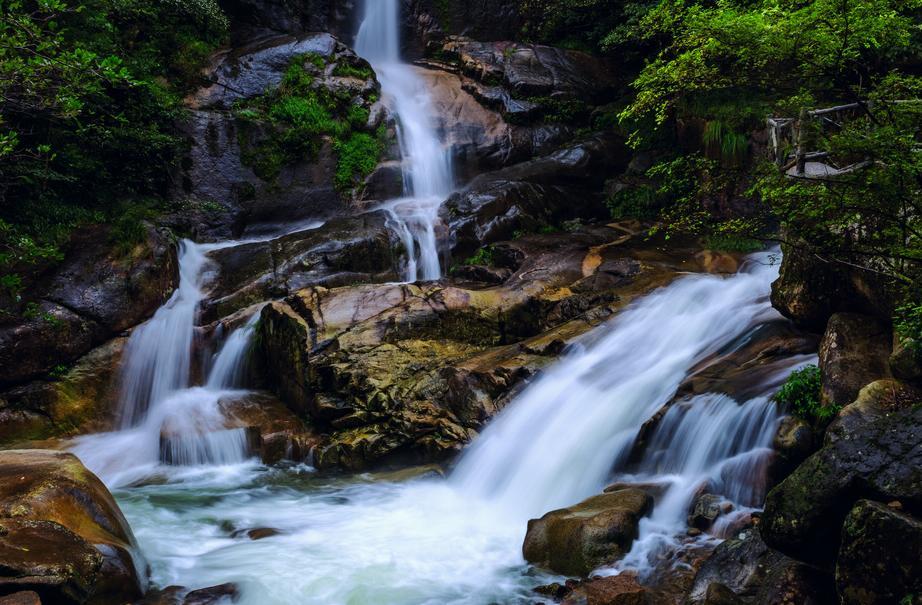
x=357, y=157
x=345, y=70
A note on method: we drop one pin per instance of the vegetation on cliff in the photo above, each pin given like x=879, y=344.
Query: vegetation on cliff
x=89, y=99
x=710, y=74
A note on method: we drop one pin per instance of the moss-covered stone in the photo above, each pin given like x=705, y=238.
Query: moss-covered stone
x=879, y=561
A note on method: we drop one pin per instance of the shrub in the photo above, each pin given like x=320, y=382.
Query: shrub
x=800, y=394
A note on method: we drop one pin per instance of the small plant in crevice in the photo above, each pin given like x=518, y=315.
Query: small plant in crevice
x=484, y=256
x=800, y=394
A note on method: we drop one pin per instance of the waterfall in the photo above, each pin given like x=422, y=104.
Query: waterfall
x=159, y=353
x=571, y=431
x=427, y=166
x=228, y=371
x=162, y=417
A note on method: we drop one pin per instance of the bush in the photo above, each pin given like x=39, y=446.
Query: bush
x=800, y=394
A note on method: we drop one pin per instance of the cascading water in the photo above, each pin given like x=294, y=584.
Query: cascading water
x=361, y=541
x=427, y=166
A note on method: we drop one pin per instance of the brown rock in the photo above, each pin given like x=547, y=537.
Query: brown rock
x=854, y=352
x=613, y=590
x=577, y=539
x=50, y=498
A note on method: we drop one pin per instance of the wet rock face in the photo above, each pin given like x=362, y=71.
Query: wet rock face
x=529, y=71
x=805, y=512
x=79, y=400
x=879, y=560
x=577, y=539
x=414, y=370
x=854, y=352
x=343, y=251
x=61, y=533
x=222, y=168
x=622, y=589
x=540, y=193
x=95, y=293
x=744, y=569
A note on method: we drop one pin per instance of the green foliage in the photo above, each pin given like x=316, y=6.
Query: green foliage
x=358, y=156
x=637, y=201
x=484, y=256
x=345, y=70
x=733, y=243
x=299, y=113
x=801, y=395
x=95, y=128
x=908, y=323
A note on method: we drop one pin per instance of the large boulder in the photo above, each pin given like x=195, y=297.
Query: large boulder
x=804, y=514
x=855, y=351
x=61, y=533
x=879, y=561
x=531, y=70
x=874, y=401
x=744, y=567
x=623, y=589
x=582, y=537
x=232, y=165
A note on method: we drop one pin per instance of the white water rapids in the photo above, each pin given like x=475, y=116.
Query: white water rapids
x=426, y=161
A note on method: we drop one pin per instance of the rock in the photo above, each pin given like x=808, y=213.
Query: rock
x=278, y=434
x=793, y=442
x=746, y=568
x=804, y=513
x=718, y=594
x=62, y=534
x=543, y=192
x=752, y=364
x=906, y=360
x=428, y=21
x=879, y=560
x=873, y=402
x=854, y=351
x=612, y=590
x=529, y=71
x=249, y=71
x=342, y=251
x=221, y=171
x=810, y=289
x=705, y=510
x=21, y=598
x=93, y=294
x=80, y=400
x=413, y=371
x=254, y=19
x=213, y=595
x=597, y=531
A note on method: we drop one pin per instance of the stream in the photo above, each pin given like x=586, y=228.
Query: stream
x=392, y=539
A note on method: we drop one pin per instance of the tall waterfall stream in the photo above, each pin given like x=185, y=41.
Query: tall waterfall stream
x=373, y=539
